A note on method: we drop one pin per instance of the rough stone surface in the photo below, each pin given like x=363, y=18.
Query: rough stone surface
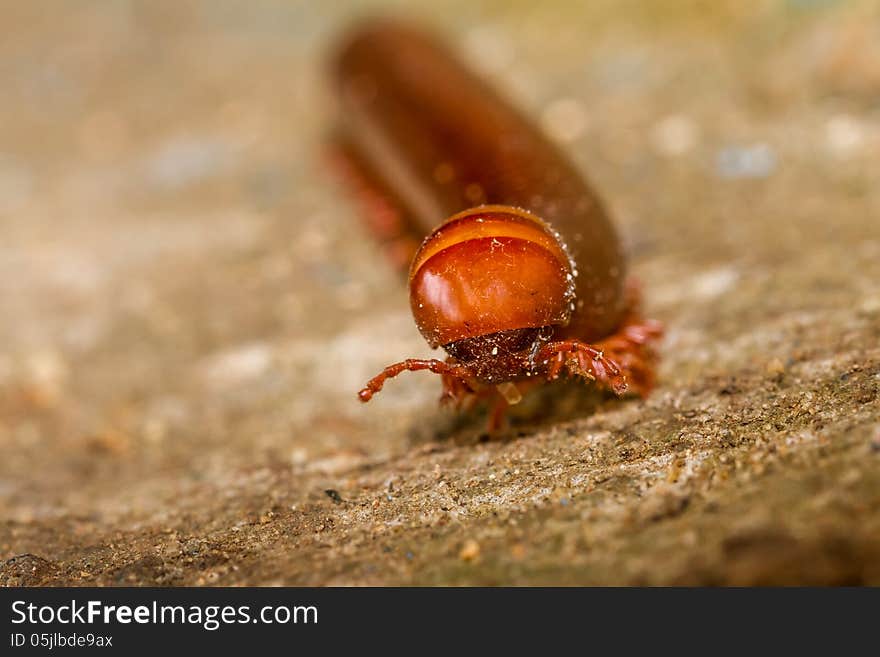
x=189, y=304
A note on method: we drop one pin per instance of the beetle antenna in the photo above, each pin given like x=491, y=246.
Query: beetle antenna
x=375, y=384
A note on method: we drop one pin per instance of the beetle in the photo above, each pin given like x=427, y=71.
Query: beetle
x=521, y=276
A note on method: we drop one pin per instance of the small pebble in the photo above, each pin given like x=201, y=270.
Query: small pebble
x=674, y=471
x=237, y=365
x=674, y=135
x=564, y=119
x=470, y=551
x=751, y=161
x=188, y=160
x=775, y=366
x=844, y=134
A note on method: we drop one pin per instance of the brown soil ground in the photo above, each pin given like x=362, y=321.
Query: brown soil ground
x=189, y=304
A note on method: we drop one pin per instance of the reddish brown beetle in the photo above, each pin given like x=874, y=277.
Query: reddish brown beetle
x=525, y=278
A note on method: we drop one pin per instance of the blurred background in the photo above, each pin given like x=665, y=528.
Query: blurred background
x=190, y=302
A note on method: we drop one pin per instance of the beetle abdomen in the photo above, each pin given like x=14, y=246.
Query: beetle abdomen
x=448, y=142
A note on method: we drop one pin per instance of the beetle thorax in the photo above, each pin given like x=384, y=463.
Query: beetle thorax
x=502, y=356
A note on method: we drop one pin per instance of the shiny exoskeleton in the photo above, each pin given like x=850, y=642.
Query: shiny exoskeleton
x=521, y=275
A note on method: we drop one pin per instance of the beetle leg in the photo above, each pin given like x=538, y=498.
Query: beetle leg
x=583, y=360
x=555, y=366
x=498, y=414
x=586, y=369
x=375, y=384
x=457, y=392
x=632, y=348
x=625, y=360
x=383, y=213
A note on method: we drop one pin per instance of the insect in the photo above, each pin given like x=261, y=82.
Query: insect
x=520, y=276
